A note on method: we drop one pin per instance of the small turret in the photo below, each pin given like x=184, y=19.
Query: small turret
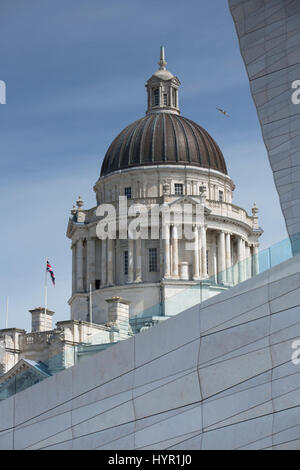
x=162, y=89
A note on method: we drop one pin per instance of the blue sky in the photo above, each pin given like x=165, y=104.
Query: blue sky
x=75, y=73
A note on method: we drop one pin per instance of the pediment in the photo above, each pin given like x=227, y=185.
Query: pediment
x=23, y=365
x=185, y=199
x=189, y=200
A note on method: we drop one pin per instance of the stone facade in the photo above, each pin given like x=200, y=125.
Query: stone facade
x=55, y=349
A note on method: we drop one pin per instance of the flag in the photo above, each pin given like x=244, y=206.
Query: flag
x=50, y=270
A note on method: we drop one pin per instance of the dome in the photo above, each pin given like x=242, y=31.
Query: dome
x=163, y=138
x=163, y=74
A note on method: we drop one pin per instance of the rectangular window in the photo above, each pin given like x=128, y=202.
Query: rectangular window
x=152, y=260
x=125, y=262
x=165, y=99
x=178, y=189
x=156, y=97
x=221, y=196
x=127, y=192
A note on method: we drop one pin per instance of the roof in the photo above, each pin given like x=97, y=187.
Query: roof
x=163, y=138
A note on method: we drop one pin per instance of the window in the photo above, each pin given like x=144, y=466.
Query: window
x=127, y=192
x=221, y=196
x=125, y=262
x=178, y=189
x=156, y=97
x=165, y=99
x=152, y=260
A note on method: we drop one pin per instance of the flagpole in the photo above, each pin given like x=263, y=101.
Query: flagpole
x=46, y=295
x=91, y=311
x=6, y=316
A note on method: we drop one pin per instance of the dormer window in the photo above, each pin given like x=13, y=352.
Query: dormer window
x=156, y=97
x=127, y=192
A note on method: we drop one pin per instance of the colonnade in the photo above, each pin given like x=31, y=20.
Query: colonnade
x=108, y=263
x=230, y=260
x=219, y=267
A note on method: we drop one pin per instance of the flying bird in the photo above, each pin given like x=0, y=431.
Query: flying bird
x=223, y=112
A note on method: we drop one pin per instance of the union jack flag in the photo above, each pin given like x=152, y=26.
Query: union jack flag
x=50, y=270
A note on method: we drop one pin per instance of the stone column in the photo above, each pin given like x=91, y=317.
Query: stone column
x=196, y=263
x=221, y=258
x=240, y=254
x=203, y=252
x=130, y=260
x=255, y=263
x=214, y=258
x=73, y=268
x=247, y=262
x=138, y=260
x=103, y=262
x=174, y=252
x=79, y=265
x=110, y=260
x=170, y=97
x=244, y=262
x=91, y=262
x=167, y=252
x=228, y=257
x=199, y=251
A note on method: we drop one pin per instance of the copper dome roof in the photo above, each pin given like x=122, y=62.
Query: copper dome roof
x=163, y=138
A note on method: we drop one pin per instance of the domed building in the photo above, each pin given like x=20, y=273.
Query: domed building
x=162, y=159
x=191, y=243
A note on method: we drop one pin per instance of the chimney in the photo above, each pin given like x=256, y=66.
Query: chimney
x=41, y=320
x=118, y=313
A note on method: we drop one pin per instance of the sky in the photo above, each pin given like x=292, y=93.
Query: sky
x=75, y=72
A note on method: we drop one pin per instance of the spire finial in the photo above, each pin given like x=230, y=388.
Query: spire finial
x=162, y=62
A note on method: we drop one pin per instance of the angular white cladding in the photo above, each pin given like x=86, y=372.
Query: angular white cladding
x=216, y=376
x=269, y=35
